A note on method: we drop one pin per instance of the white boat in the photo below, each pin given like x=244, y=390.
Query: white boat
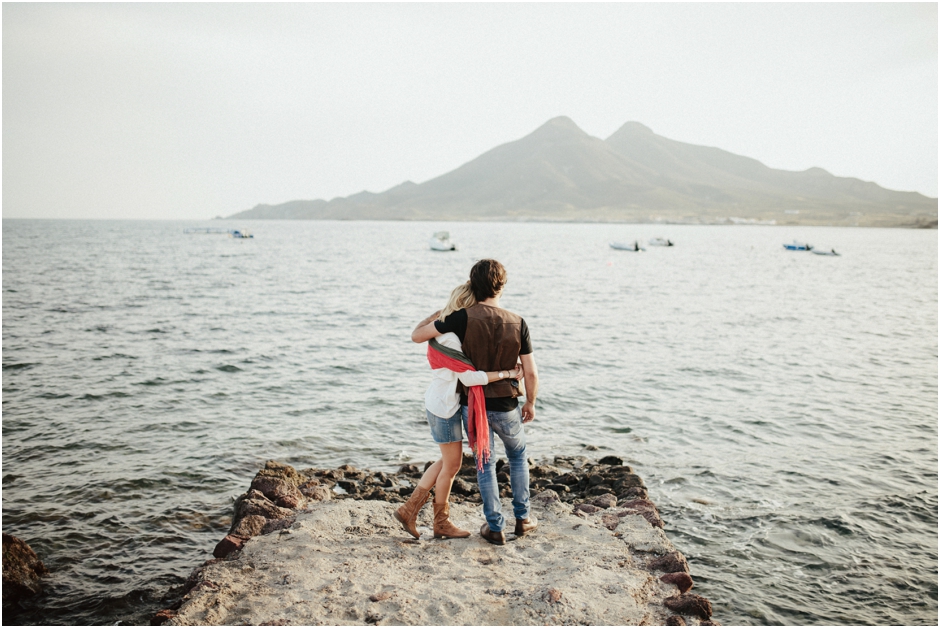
x=798, y=246
x=627, y=246
x=660, y=242
x=440, y=241
x=830, y=252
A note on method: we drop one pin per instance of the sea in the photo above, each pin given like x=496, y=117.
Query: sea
x=780, y=405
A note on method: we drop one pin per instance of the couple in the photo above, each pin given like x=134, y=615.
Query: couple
x=475, y=349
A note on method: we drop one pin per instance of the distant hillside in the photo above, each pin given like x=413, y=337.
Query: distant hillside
x=559, y=172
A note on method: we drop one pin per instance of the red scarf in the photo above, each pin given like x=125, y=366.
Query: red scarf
x=478, y=428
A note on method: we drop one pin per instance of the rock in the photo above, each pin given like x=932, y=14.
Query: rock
x=541, y=471
x=22, y=570
x=634, y=492
x=605, y=501
x=708, y=622
x=670, y=563
x=675, y=620
x=568, y=479
x=645, y=508
x=499, y=465
x=376, y=494
x=553, y=596
x=629, y=480
x=559, y=488
x=228, y=545
x=272, y=468
x=381, y=596
x=462, y=487
x=292, y=502
x=599, y=489
x=276, y=622
x=427, y=465
x=502, y=478
x=275, y=488
x=277, y=524
x=591, y=447
x=611, y=460
x=162, y=617
x=595, y=479
x=610, y=521
x=409, y=469
x=689, y=604
x=350, y=486
x=317, y=493
x=588, y=509
x=248, y=526
x=255, y=503
x=680, y=578
x=546, y=497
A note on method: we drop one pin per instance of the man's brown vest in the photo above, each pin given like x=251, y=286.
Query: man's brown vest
x=492, y=342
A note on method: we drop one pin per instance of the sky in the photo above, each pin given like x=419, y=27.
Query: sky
x=188, y=111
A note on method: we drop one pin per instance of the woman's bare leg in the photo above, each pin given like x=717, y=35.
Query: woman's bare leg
x=451, y=457
x=431, y=474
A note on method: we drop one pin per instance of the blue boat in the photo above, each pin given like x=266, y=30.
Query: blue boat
x=798, y=246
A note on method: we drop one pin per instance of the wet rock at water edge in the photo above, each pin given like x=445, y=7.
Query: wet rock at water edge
x=255, y=503
x=635, y=492
x=689, y=604
x=680, y=578
x=229, y=544
x=22, y=570
x=675, y=620
x=249, y=526
x=670, y=563
x=611, y=460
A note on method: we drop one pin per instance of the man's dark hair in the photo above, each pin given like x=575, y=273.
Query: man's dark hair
x=487, y=278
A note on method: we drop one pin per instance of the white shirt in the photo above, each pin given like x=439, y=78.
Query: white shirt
x=442, y=399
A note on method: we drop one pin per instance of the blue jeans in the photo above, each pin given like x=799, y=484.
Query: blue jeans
x=508, y=426
x=445, y=431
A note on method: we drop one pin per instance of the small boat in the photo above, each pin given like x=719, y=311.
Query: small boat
x=235, y=233
x=830, y=252
x=440, y=241
x=660, y=242
x=624, y=246
x=798, y=246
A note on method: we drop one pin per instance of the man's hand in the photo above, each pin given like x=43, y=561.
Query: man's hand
x=426, y=329
x=528, y=412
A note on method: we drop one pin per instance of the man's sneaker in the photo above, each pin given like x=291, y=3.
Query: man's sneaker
x=496, y=538
x=524, y=526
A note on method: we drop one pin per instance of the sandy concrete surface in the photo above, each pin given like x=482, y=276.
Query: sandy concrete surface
x=349, y=562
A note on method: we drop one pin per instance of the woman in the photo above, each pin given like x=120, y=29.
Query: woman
x=442, y=404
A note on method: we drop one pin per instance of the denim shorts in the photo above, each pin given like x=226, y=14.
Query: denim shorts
x=445, y=431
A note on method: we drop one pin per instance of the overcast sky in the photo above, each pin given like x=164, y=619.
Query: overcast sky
x=186, y=111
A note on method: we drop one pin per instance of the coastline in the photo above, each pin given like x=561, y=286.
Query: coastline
x=321, y=547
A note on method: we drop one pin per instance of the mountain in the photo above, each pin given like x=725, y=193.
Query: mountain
x=559, y=172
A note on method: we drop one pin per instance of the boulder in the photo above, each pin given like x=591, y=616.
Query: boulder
x=680, y=578
x=689, y=604
x=228, y=545
x=605, y=501
x=317, y=493
x=277, y=524
x=22, y=570
x=611, y=460
x=249, y=526
x=675, y=620
x=670, y=563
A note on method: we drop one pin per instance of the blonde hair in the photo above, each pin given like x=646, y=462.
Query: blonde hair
x=461, y=297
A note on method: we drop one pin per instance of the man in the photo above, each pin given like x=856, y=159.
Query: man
x=494, y=339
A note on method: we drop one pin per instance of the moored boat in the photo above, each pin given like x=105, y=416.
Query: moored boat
x=830, y=252
x=440, y=241
x=798, y=246
x=660, y=242
x=625, y=246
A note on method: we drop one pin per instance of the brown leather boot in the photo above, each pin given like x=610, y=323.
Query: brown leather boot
x=496, y=538
x=524, y=526
x=407, y=515
x=443, y=527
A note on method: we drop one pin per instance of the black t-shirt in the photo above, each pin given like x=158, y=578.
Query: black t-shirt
x=457, y=323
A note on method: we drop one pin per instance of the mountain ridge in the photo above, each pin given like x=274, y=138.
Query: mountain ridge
x=558, y=172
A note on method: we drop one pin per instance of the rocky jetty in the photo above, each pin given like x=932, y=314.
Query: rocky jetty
x=320, y=546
